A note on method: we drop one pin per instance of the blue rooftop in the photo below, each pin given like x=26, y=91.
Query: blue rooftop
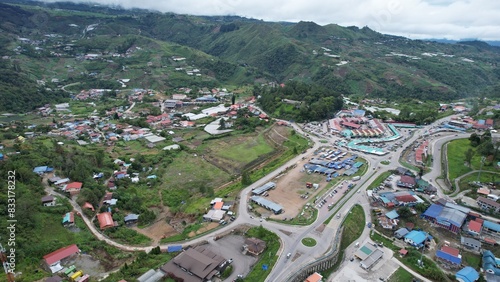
x=448, y=257
x=43, y=169
x=176, y=248
x=131, y=217
x=491, y=225
x=418, y=237
x=433, y=211
x=467, y=274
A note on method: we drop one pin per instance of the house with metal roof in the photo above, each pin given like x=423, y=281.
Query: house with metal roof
x=392, y=214
x=445, y=217
x=131, y=218
x=488, y=204
x=491, y=228
x=406, y=181
x=470, y=243
x=474, y=227
x=54, y=260
x=270, y=205
x=194, y=265
x=467, y=274
x=264, y=188
x=105, y=220
x=68, y=219
x=450, y=256
x=401, y=232
x=490, y=266
x=417, y=238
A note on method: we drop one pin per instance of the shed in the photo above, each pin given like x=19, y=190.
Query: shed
x=174, y=248
x=392, y=214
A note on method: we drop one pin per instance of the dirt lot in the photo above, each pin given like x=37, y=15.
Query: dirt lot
x=158, y=230
x=290, y=186
x=206, y=226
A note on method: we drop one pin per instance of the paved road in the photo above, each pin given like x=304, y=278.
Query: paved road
x=291, y=235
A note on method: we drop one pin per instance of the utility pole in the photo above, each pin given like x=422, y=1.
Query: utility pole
x=482, y=163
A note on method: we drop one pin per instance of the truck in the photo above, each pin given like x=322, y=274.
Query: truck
x=356, y=178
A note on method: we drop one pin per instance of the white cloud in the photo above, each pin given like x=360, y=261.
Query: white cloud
x=452, y=19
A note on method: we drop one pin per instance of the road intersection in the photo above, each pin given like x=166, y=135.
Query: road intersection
x=291, y=235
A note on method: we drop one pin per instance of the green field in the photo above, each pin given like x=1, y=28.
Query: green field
x=247, y=151
x=379, y=180
x=399, y=275
x=456, y=159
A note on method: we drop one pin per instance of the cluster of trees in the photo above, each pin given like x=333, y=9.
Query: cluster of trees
x=483, y=145
x=18, y=93
x=316, y=102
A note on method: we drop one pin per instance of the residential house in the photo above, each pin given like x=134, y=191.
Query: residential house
x=401, y=233
x=470, y=243
x=105, y=220
x=73, y=188
x=254, y=246
x=88, y=205
x=449, y=256
x=194, y=265
x=54, y=260
x=467, y=274
x=131, y=219
x=488, y=204
x=48, y=201
x=416, y=238
x=40, y=170
x=68, y=219
x=474, y=227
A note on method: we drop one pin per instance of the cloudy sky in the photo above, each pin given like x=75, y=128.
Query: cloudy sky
x=450, y=19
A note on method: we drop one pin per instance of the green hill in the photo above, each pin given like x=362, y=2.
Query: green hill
x=232, y=50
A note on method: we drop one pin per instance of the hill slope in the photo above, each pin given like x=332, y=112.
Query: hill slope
x=233, y=50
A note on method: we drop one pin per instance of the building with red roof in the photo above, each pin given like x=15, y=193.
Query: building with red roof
x=406, y=199
x=88, y=205
x=406, y=181
x=315, y=277
x=105, y=220
x=53, y=260
x=73, y=187
x=351, y=125
x=218, y=205
x=474, y=227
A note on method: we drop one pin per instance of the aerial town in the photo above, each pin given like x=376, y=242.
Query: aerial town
x=139, y=145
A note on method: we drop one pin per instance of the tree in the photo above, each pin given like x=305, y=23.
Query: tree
x=468, y=156
x=233, y=99
x=245, y=178
x=404, y=212
x=222, y=124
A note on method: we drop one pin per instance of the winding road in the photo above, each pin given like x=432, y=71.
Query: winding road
x=291, y=235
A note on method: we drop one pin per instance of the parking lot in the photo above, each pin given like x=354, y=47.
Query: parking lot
x=231, y=247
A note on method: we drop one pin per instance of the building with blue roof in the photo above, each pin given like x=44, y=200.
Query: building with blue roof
x=450, y=256
x=416, y=238
x=43, y=169
x=490, y=226
x=445, y=217
x=490, y=266
x=467, y=274
x=131, y=218
x=174, y=248
x=264, y=188
x=1, y=157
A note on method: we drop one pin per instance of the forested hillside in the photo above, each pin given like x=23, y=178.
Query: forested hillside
x=351, y=61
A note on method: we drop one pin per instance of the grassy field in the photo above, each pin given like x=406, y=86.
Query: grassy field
x=379, y=180
x=456, y=159
x=472, y=260
x=400, y=274
x=247, y=151
x=308, y=242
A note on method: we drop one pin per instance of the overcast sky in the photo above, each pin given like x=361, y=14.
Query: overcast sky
x=418, y=19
